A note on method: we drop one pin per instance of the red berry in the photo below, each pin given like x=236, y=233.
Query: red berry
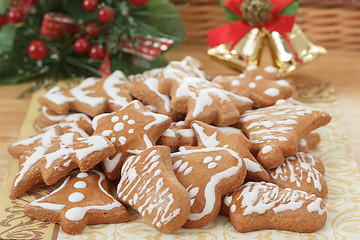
x=92, y=30
x=15, y=15
x=139, y=3
x=89, y=5
x=105, y=14
x=37, y=50
x=97, y=52
x=81, y=45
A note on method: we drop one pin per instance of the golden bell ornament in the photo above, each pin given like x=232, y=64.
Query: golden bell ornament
x=289, y=50
x=246, y=52
x=292, y=50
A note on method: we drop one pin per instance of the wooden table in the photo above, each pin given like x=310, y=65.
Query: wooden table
x=340, y=67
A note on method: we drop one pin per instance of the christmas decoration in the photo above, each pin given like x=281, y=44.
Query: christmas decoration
x=239, y=44
x=37, y=50
x=105, y=14
x=81, y=45
x=82, y=38
x=15, y=15
x=89, y=5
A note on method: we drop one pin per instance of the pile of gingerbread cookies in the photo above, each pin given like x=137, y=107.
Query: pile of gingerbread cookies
x=180, y=149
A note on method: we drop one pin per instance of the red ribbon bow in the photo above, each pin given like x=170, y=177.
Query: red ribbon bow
x=235, y=31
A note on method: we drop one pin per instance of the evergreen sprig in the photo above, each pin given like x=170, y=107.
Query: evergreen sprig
x=157, y=18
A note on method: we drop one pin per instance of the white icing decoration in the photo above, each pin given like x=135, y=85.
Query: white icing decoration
x=208, y=159
x=80, y=184
x=119, y=126
x=207, y=141
x=266, y=149
x=315, y=207
x=131, y=131
x=122, y=140
x=259, y=77
x=186, y=133
x=212, y=165
x=76, y=197
x=82, y=175
x=82, y=96
x=252, y=85
x=152, y=84
x=131, y=122
x=125, y=117
x=56, y=96
x=282, y=83
x=113, y=91
x=233, y=208
x=115, y=119
x=251, y=67
x=169, y=133
x=235, y=83
x=53, y=118
x=111, y=163
x=272, y=92
x=270, y=69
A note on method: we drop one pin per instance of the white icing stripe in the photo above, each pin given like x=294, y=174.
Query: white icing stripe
x=53, y=118
x=207, y=141
x=152, y=84
x=113, y=91
x=56, y=96
x=82, y=96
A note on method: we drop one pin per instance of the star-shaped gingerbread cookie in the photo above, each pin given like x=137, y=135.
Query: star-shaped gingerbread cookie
x=83, y=198
x=131, y=129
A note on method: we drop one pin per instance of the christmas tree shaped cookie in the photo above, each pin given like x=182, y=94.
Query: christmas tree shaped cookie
x=82, y=199
x=92, y=96
x=131, y=129
x=209, y=136
x=277, y=130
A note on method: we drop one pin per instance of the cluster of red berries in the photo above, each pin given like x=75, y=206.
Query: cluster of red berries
x=37, y=49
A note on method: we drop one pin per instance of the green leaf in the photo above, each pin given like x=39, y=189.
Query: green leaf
x=230, y=15
x=75, y=10
x=7, y=35
x=291, y=9
x=4, y=6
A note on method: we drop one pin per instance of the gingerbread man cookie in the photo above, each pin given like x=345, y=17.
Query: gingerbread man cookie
x=83, y=198
x=56, y=153
x=300, y=172
x=92, y=96
x=259, y=85
x=277, y=130
x=149, y=185
x=207, y=174
x=209, y=136
x=260, y=205
x=131, y=129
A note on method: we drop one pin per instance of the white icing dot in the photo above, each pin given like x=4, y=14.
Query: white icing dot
x=122, y=140
x=82, y=175
x=177, y=164
x=218, y=158
x=251, y=67
x=282, y=83
x=118, y=127
x=113, y=139
x=183, y=166
x=125, y=117
x=235, y=83
x=242, y=75
x=193, y=192
x=233, y=208
x=252, y=85
x=131, y=130
x=80, y=184
x=266, y=149
x=212, y=165
x=272, y=92
x=302, y=142
x=131, y=122
x=76, y=197
x=258, y=77
x=208, y=159
x=270, y=69
x=115, y=119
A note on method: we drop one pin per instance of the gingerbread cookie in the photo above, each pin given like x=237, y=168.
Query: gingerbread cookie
x=131, y=129
x=259, y=85
x=92, y=96
x=83, y=198
x=149, y=185
x=277, y=130
x=56, y=153
x=299, y=172
x=260, y=205
x=209, y=136
x=147, y=91
x=207, y=174
x=48, y=117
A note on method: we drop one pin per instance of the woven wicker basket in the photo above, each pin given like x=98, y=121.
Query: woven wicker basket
x=329, y=23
